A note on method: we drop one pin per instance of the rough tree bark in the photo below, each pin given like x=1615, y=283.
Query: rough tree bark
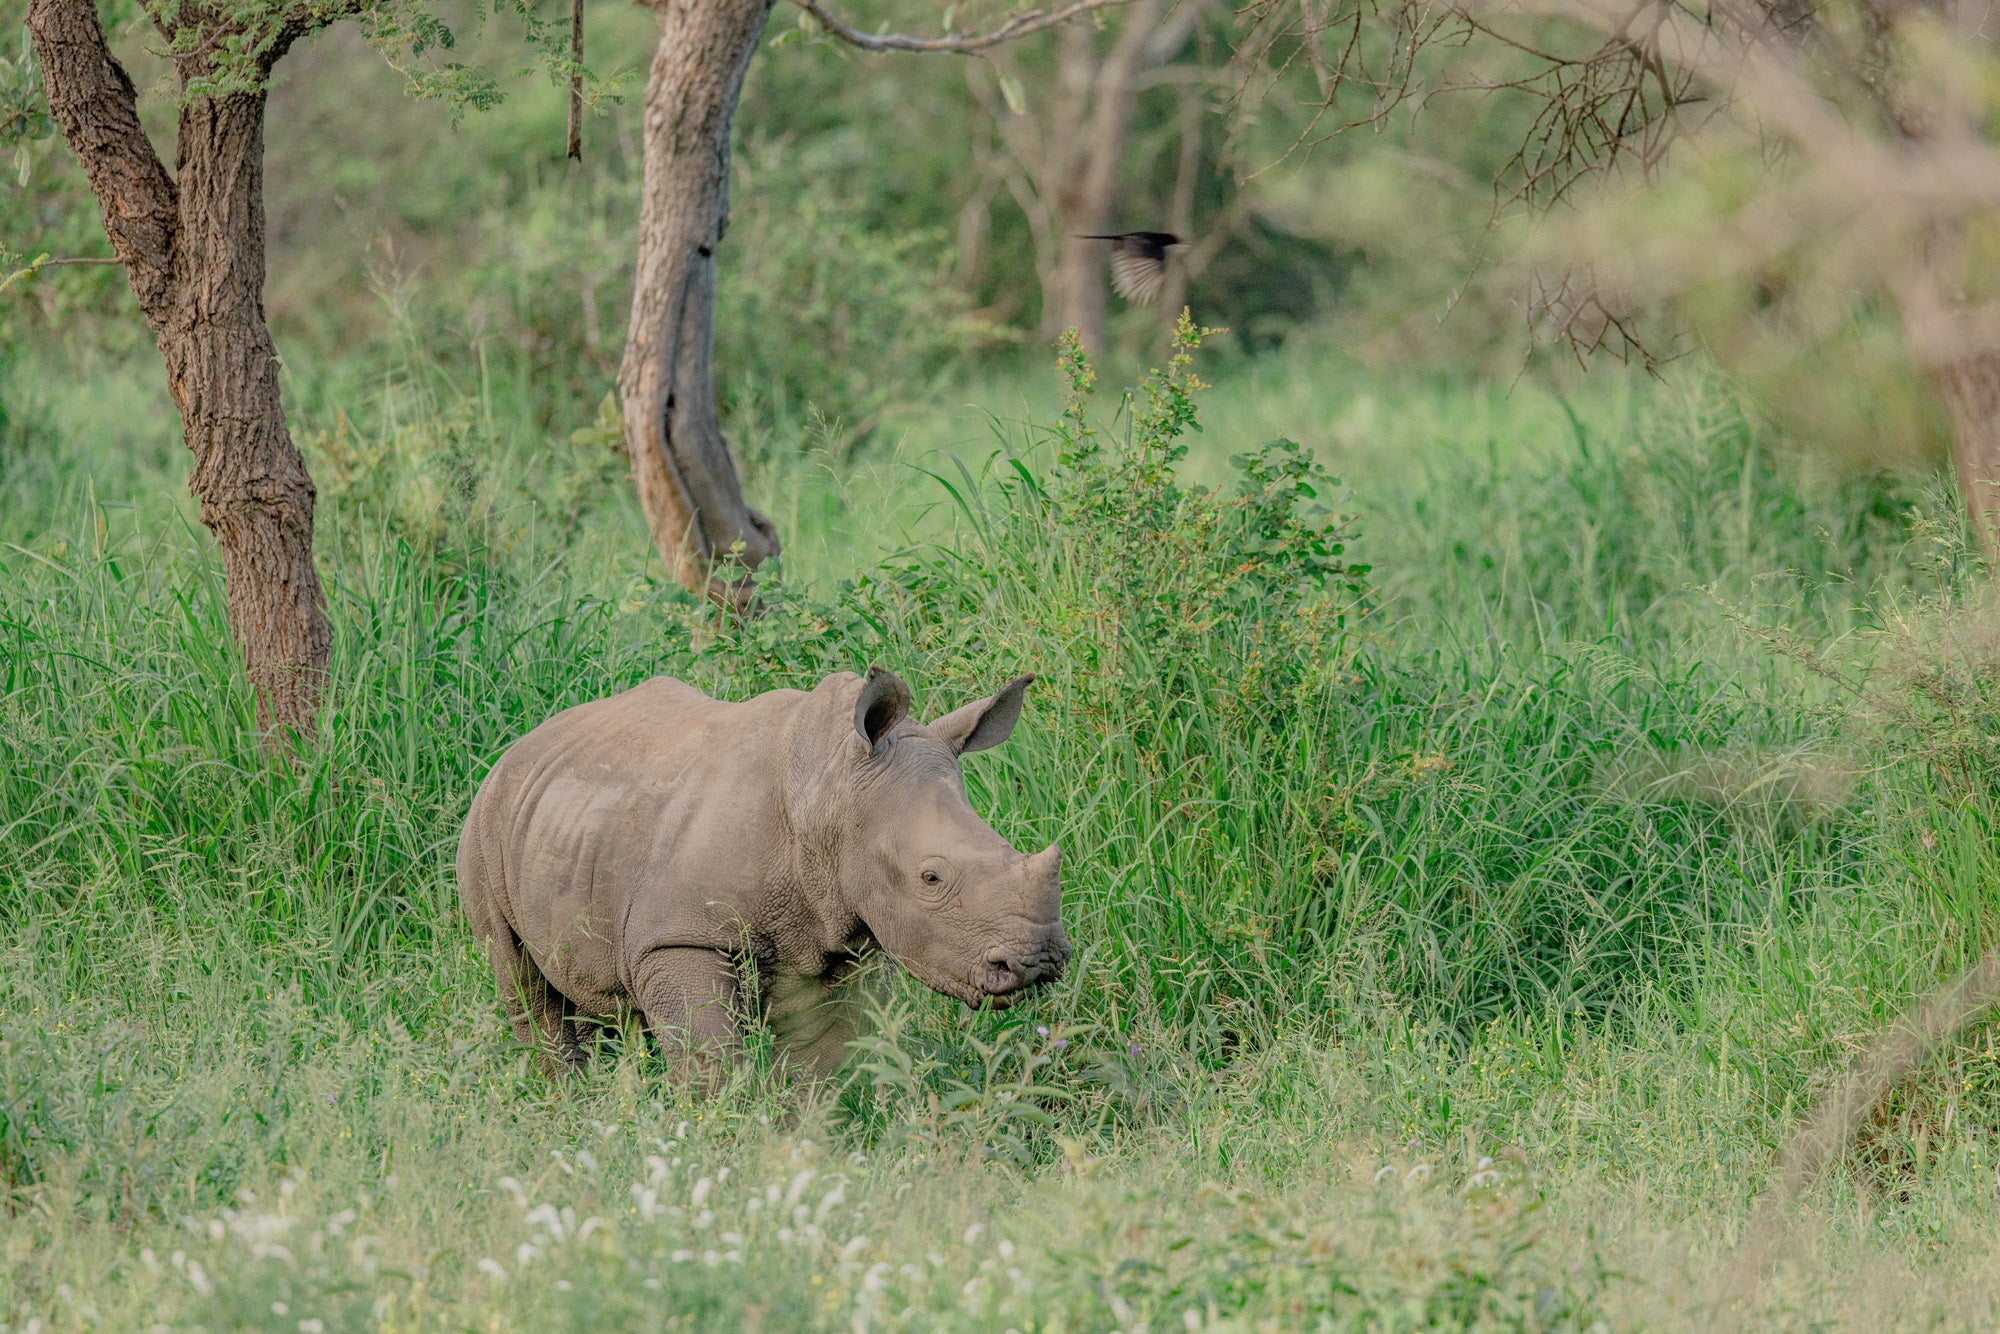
x=687, y=483
x=193, y=248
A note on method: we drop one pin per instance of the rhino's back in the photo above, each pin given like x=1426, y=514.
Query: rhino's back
x=643, y=811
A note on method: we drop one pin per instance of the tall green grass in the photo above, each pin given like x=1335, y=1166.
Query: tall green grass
x=1519, y=845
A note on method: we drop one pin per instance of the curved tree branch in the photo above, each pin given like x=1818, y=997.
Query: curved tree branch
x=1020, y=25
x=93, y=99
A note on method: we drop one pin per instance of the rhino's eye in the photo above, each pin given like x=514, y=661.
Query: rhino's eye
x=931, y=878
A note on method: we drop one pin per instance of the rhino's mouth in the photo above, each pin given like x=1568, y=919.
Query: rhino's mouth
x=1008, y=975
x=1002, y=979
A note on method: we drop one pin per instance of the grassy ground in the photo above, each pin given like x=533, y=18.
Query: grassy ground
x=1457, y=942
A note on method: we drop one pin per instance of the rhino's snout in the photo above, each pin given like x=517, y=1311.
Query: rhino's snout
x=1011, y=972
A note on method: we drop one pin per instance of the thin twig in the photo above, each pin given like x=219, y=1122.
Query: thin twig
x=1020, y=25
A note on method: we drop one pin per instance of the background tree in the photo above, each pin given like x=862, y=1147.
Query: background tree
x=687, y=482
x=1812, y=157
x=192, y=245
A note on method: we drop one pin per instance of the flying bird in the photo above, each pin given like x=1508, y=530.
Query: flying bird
x=1138, y=263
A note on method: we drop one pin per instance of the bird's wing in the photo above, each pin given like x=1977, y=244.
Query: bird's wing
x=1137, y=278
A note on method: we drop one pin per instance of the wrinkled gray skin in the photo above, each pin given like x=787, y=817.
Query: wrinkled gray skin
x=636, y=852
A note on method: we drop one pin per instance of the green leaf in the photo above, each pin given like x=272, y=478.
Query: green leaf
x=1010, y=92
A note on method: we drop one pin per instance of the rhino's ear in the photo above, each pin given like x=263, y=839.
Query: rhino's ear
x=985, y=722
x=884, y=702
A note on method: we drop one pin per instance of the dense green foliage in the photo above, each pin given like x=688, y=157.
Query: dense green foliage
x=1515, y=846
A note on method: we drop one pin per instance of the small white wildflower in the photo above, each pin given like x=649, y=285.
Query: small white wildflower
x=1386, y=1170
x=710, y=1258
x=701, y=1190
x=973, y=1233
x=215, y=1229
x=287, y=1188
x=562, y=1285
x=279, y=1308
x=587, y=1160
x=1191, y=1318
x=525, y=1252
x=853, y=1247
x=312, y=1326
x=1006, y=1249
x=178, y=1259
x=492, y=1267
x=148, y=1259
x=1421, y=1172
x=590, y=1225
x=198, y=1278
x=681, y=1130
x=681, y=1257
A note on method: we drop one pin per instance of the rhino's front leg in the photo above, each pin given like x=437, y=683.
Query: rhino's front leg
x=690, y=1000
x=816, y=1019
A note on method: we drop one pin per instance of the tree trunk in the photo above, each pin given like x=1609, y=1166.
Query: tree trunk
x=1958, y=345
x=1083, y=193
x=194, y=253
x=687, y=483
x=1970, y=386
x=1094, y=120
x=248, y=475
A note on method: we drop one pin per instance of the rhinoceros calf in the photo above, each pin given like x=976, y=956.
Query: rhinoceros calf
x=636, y=851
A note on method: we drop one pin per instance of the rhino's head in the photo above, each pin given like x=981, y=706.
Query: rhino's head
x=939, y=890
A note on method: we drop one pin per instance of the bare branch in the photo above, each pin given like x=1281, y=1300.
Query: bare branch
x=1020, y=25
